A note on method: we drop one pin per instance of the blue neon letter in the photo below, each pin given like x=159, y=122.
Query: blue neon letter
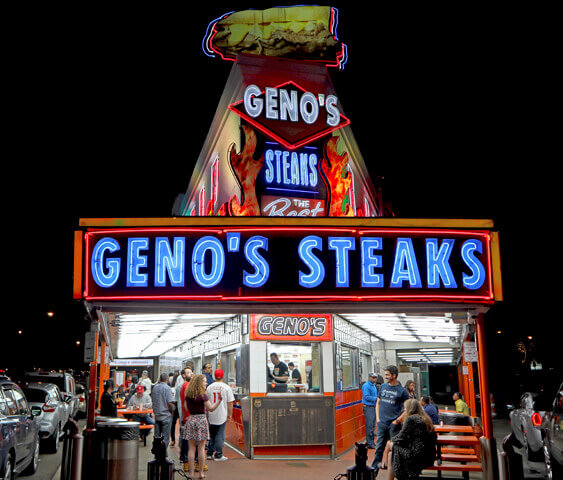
x=317, y=269
x=405, y=266
x=204, y=244
x=477, y=277
x=135, y=261
x=167, y=262
x=342, y=245
x=233, y=241
x=113, y=265
x=371, y=262
x=261, y=267
x=437, y=260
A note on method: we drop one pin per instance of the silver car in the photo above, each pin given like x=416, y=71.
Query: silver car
x=55, y=412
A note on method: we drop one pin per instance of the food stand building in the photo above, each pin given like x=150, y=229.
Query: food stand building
x=279, y=246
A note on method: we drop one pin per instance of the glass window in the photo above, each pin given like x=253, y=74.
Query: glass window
x=20, y=401
x=366, y=367
x=11, y=402
x=35, y=395
x=229, y=367
x=293, y=368
x=3, y=406
x=347, y=371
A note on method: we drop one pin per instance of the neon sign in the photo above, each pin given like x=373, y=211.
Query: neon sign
x=274, y=263
x=291, y=327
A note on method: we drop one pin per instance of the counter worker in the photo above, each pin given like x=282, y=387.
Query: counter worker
x=389, y=411
x=295, y=374
x=369, y=400
x=460, y=405
x=218, y=418
x=141, y=398
x=163, y=408
x=430, y=409
x=280, y=374
x=146, y=381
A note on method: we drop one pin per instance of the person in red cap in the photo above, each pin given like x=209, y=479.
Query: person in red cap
x=218, y=418
x=141, y=397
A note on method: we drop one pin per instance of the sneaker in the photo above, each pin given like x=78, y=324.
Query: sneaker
x=221, y=459
x=205, y=468
x=209, y=457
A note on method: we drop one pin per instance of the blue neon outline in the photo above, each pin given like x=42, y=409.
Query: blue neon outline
x=290, y=190
x=476, y=280
x=437, y=263
x=233, y=241
x=164, y=261
x=206, y=38
x=218, y=262
x=370, y=262
x=112, y=264
x=317, y=269
x=405, y=253
x=261, y=266
x=342, y=247
x=135, y=261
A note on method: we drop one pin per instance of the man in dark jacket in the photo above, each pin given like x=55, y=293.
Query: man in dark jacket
x=430, y=409
x=108, y=407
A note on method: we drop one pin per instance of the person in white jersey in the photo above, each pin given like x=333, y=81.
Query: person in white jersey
x=218, y=418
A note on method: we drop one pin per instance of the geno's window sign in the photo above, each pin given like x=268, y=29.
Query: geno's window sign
x=291, y=327
x=288, y=263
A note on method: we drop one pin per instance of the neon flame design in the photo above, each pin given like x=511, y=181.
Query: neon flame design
x=339, y=178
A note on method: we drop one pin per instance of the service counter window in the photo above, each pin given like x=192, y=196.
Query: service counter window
x=347, y=370
x=293, y=368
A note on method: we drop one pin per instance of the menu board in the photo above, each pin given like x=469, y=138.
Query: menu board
x=292, y=421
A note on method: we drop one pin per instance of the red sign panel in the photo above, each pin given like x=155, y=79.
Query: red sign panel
x=291, y=327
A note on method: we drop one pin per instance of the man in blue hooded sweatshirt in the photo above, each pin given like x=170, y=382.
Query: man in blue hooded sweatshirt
x=369, y=400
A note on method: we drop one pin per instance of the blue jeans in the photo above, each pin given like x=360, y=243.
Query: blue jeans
x=216, y=440
x=162, y=429
x=143, y=418
x=382, y=437
x=369, y=415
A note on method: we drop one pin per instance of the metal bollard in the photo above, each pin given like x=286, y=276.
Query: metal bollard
x=71, y=462
x=503, y=465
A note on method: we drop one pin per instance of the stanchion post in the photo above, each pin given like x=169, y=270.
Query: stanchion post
x=76, y=465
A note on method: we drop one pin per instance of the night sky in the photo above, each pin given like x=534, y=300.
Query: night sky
x=111, y=109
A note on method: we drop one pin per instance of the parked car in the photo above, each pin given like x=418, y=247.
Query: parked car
x=535, y=444
x=82, y=392
x=66, y=385
x=19, y=432
x=54, y=412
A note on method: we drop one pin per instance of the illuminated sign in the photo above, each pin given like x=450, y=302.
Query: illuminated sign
x=291, y=327
x=289, y=114
x=288, y=263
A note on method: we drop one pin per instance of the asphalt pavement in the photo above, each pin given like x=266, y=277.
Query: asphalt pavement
x=49, y=462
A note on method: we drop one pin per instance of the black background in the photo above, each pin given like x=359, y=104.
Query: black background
x=107, y=110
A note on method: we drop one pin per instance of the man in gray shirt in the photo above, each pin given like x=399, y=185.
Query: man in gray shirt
x=163, y=408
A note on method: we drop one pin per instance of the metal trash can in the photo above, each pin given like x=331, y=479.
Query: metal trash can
x=119, y=449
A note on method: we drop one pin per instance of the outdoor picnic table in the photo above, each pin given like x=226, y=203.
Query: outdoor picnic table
x=454, y=428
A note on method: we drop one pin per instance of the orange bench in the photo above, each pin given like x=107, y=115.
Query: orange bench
x=460, y=459
x=147, y=427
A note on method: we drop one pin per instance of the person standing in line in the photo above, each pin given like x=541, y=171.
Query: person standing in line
x=183, y=411
x=410, y=387
x=369, y=400
x=163, y=408
x=172, y=383
x=207, y=368
x=388, y=411
x=146, y=381
x=197, y=428
x=430, y=409
x=218, y=419
x=460, y=405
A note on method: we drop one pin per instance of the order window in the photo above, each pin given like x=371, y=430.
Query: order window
x=229, y=367
x=347, y=368
x=293, y=368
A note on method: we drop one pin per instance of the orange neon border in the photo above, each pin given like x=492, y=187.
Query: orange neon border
x=456, y=298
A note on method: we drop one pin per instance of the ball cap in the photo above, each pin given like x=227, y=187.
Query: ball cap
x=219, y=373
x=140, y=388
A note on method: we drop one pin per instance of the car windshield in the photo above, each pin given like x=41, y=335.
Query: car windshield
x=35, y=395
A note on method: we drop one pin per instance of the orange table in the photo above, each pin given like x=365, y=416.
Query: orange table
x=122, y=412
x=461, y=440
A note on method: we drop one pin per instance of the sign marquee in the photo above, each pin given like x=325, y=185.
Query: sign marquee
x=301, y=327
x=288, y=263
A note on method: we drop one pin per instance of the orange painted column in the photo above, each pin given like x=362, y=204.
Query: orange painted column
x=471, y=390
x=104, y=370
x=486, y=416
x=92, y=385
